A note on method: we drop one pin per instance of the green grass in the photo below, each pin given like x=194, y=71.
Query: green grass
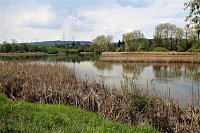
x=20, y=116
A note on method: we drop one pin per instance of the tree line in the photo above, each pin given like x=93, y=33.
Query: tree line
x=15, y=47
x=166, y=37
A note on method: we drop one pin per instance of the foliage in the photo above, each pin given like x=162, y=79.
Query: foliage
x=102, y=43
x=143, y=46
x=194, y=48
x=194, y=14
x=132, y=40
x=160, y=49
x=120, y=49
x=47, y=48
x=165, y=32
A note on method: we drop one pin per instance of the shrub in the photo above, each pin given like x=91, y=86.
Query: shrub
x=120, y=49
x=160, y=49
x=52, y=51
x=194, y=48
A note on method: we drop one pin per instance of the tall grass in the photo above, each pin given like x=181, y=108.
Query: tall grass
x=55, y=83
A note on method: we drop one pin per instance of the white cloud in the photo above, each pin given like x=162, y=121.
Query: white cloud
x=45, y=23
x=121, y=19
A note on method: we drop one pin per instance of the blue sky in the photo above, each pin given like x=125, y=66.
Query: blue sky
x=29, y=20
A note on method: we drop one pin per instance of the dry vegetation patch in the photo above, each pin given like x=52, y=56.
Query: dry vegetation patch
x=168, y=57
x=55, y=83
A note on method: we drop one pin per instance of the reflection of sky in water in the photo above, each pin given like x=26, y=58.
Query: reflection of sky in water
x=111, y=74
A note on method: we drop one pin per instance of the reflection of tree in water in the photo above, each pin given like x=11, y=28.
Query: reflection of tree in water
x=192, y=71
x=168, y=71
x=133, y=68
x=102, y=65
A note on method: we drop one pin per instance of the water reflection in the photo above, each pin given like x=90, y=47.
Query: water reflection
x=67, y=57
x=102, y=65
x=182, y=79
x=133, y=68
x=177, y=71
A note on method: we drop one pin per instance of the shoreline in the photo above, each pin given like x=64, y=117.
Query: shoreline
x=23, y=54
x=151, y=57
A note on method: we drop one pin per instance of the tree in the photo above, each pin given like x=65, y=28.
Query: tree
x=99, y=44
x=190, y=36
x=13, y=41
x=14, y=48
x=128, y=39
x=179, y=35
x=143, y=45
x=164, y=32
x=194, y=14
x=8, y=48
x=109, y=42
x=132, y=40
x=119, y=44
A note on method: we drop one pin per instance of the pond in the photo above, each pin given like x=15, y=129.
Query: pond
x=180, y=81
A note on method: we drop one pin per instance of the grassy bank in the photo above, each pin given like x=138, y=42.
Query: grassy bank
x=57, y=84
x=19, y=116
x=163, y=57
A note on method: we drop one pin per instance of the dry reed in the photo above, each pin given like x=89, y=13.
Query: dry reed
x=55, y=83
x=164, y=57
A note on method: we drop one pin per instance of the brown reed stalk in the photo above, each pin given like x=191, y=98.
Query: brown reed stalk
x=55, y=83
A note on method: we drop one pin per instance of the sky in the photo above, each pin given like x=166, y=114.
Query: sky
x=44, y=20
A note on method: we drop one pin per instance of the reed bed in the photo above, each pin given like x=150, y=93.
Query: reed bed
x=163, y=57
x=147, y=53
x=55, y=83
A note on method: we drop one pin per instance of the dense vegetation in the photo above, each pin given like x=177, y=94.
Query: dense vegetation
x=167, y=37
x=47, y=48
x=57, y=84
x=19, y=116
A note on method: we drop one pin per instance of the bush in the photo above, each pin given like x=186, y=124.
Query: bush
x=160, y=49
x=194, y=48
x=52, y=51
x=120, y=49
x=73, y=51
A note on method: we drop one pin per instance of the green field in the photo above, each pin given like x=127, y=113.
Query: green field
x=20, y=116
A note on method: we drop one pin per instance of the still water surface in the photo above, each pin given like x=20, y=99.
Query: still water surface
x=182, y=80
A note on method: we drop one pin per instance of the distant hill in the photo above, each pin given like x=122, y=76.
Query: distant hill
x=61, y=42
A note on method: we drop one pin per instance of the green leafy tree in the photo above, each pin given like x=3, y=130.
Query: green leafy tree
x=14, y=48
x=178, y=36
x=132, y=40
x=109, y=42
x=99, y=44
x=163, y=36
x=128, y=39
x=143, y=45
x=7, y=48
